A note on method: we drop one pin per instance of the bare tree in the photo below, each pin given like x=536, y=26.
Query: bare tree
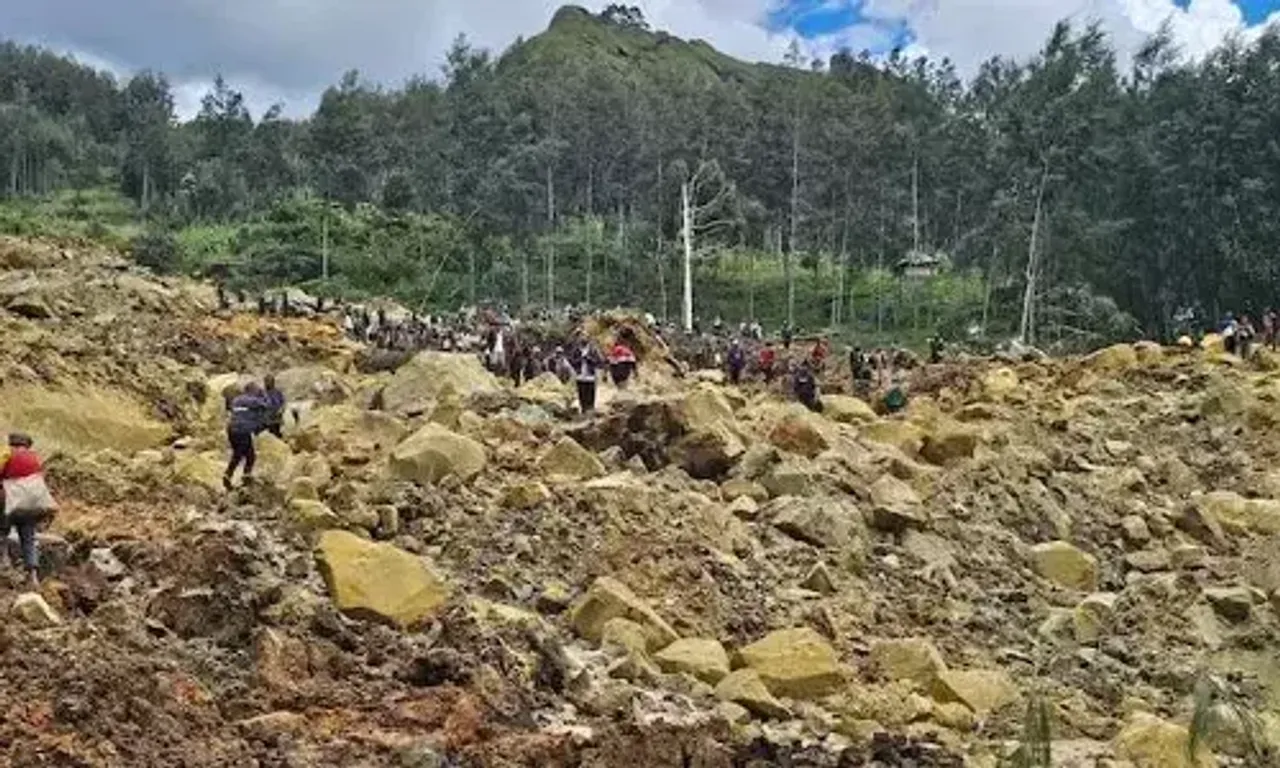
x=705, y=194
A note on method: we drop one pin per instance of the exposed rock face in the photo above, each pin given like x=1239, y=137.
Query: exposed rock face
x=378, y=582
x=567, y=461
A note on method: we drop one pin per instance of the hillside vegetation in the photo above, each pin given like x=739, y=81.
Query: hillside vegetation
x=1136, y=201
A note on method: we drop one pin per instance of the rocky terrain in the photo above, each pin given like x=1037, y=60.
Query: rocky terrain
x=434, y=569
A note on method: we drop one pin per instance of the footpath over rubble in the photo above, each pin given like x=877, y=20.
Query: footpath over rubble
x=466, y=574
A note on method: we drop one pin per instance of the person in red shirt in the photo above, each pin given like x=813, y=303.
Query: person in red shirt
x=23, y=464
x=622, y=363
x=768, y=358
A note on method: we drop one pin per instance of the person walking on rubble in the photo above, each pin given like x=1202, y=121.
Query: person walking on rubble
x=273, y=421
x=27, y=503
x=586, y=363
x=248, y=417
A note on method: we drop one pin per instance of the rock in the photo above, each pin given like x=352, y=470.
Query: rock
x=433, y=453
x=722, y=529
x=745, y=508
x=417, y=384
x=706, y=407
x=1135, y=531
x=568, y=461
x=819, y=580
x=999, y=383
x=1148, y=352
x=1149, y=742
x=1185, y=557
x=31, y=609
x=1235, y=514
x=303, y=489
x=790, y=479
x=745, y=689
x=955, y=716
x=525, y=495
x=831, y=523
x=913, y=659
x=847, y=410
x=309, y=516
x=273, y=725
x=895, y=505
x=906, y=437
x=707, y=454
x=736, y=488
x=1113, y=359
x=554, y=597
x=1065, y=565
x=705, y=659
x=796, y=663
x=1234, y=604
x=105, y=563
x=985, y=691
x=332, y=429
x=626, y=635
x=1093, y=616
x=30, y=307
x=799, y=433
x=949, y=444
x=377, y=581
x=609, y=598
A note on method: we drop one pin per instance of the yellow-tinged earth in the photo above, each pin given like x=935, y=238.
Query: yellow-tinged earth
x=378, y=582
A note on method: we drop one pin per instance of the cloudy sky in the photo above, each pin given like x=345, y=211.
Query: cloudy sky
x=289, y=50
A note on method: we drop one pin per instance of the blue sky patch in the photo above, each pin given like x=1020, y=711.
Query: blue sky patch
x=1255, y=11
x=821, y=18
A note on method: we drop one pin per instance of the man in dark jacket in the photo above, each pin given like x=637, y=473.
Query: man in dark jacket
x=249, y=413
x=805, y=387
x=274, y=418
x=737, y=361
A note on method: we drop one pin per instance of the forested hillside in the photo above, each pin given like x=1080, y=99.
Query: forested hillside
x=571, y=167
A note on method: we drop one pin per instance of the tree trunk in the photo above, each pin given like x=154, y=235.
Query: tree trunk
x=146, y=187
x=551, y=245
x=590, y=247
x=324, y=244
x=795, y=210
x=686, y=230
x=751, y=285
x=1025, y=330
x=524, y=277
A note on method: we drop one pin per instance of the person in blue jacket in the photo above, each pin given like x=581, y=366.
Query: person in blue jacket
x=249, y=414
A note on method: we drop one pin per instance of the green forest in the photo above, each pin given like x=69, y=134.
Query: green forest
x=1065, y=197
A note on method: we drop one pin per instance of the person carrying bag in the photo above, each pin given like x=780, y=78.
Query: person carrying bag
x=27, y=501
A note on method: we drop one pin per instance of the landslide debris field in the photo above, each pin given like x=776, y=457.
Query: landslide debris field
x=700, y=576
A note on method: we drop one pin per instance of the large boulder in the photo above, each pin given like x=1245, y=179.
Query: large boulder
x=335, y=428
x=569, y=461
x=703, y=658
x=745, y=689
x=914, y=659
x=949, y=443
x=1149, y=742
x=608, y=599
x=31, y=609
x=799, y=433
x=433, y=453
x=982, y=690
x=706, y=408
x=797, y=663
x=846, y=409
x=378, y=582
x=203, y=470
x=831, y=523
x=904, y=436
x=708, y=454
x=81, y=420
x=314, y=383
x=1066, y=565
x=417, y=384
